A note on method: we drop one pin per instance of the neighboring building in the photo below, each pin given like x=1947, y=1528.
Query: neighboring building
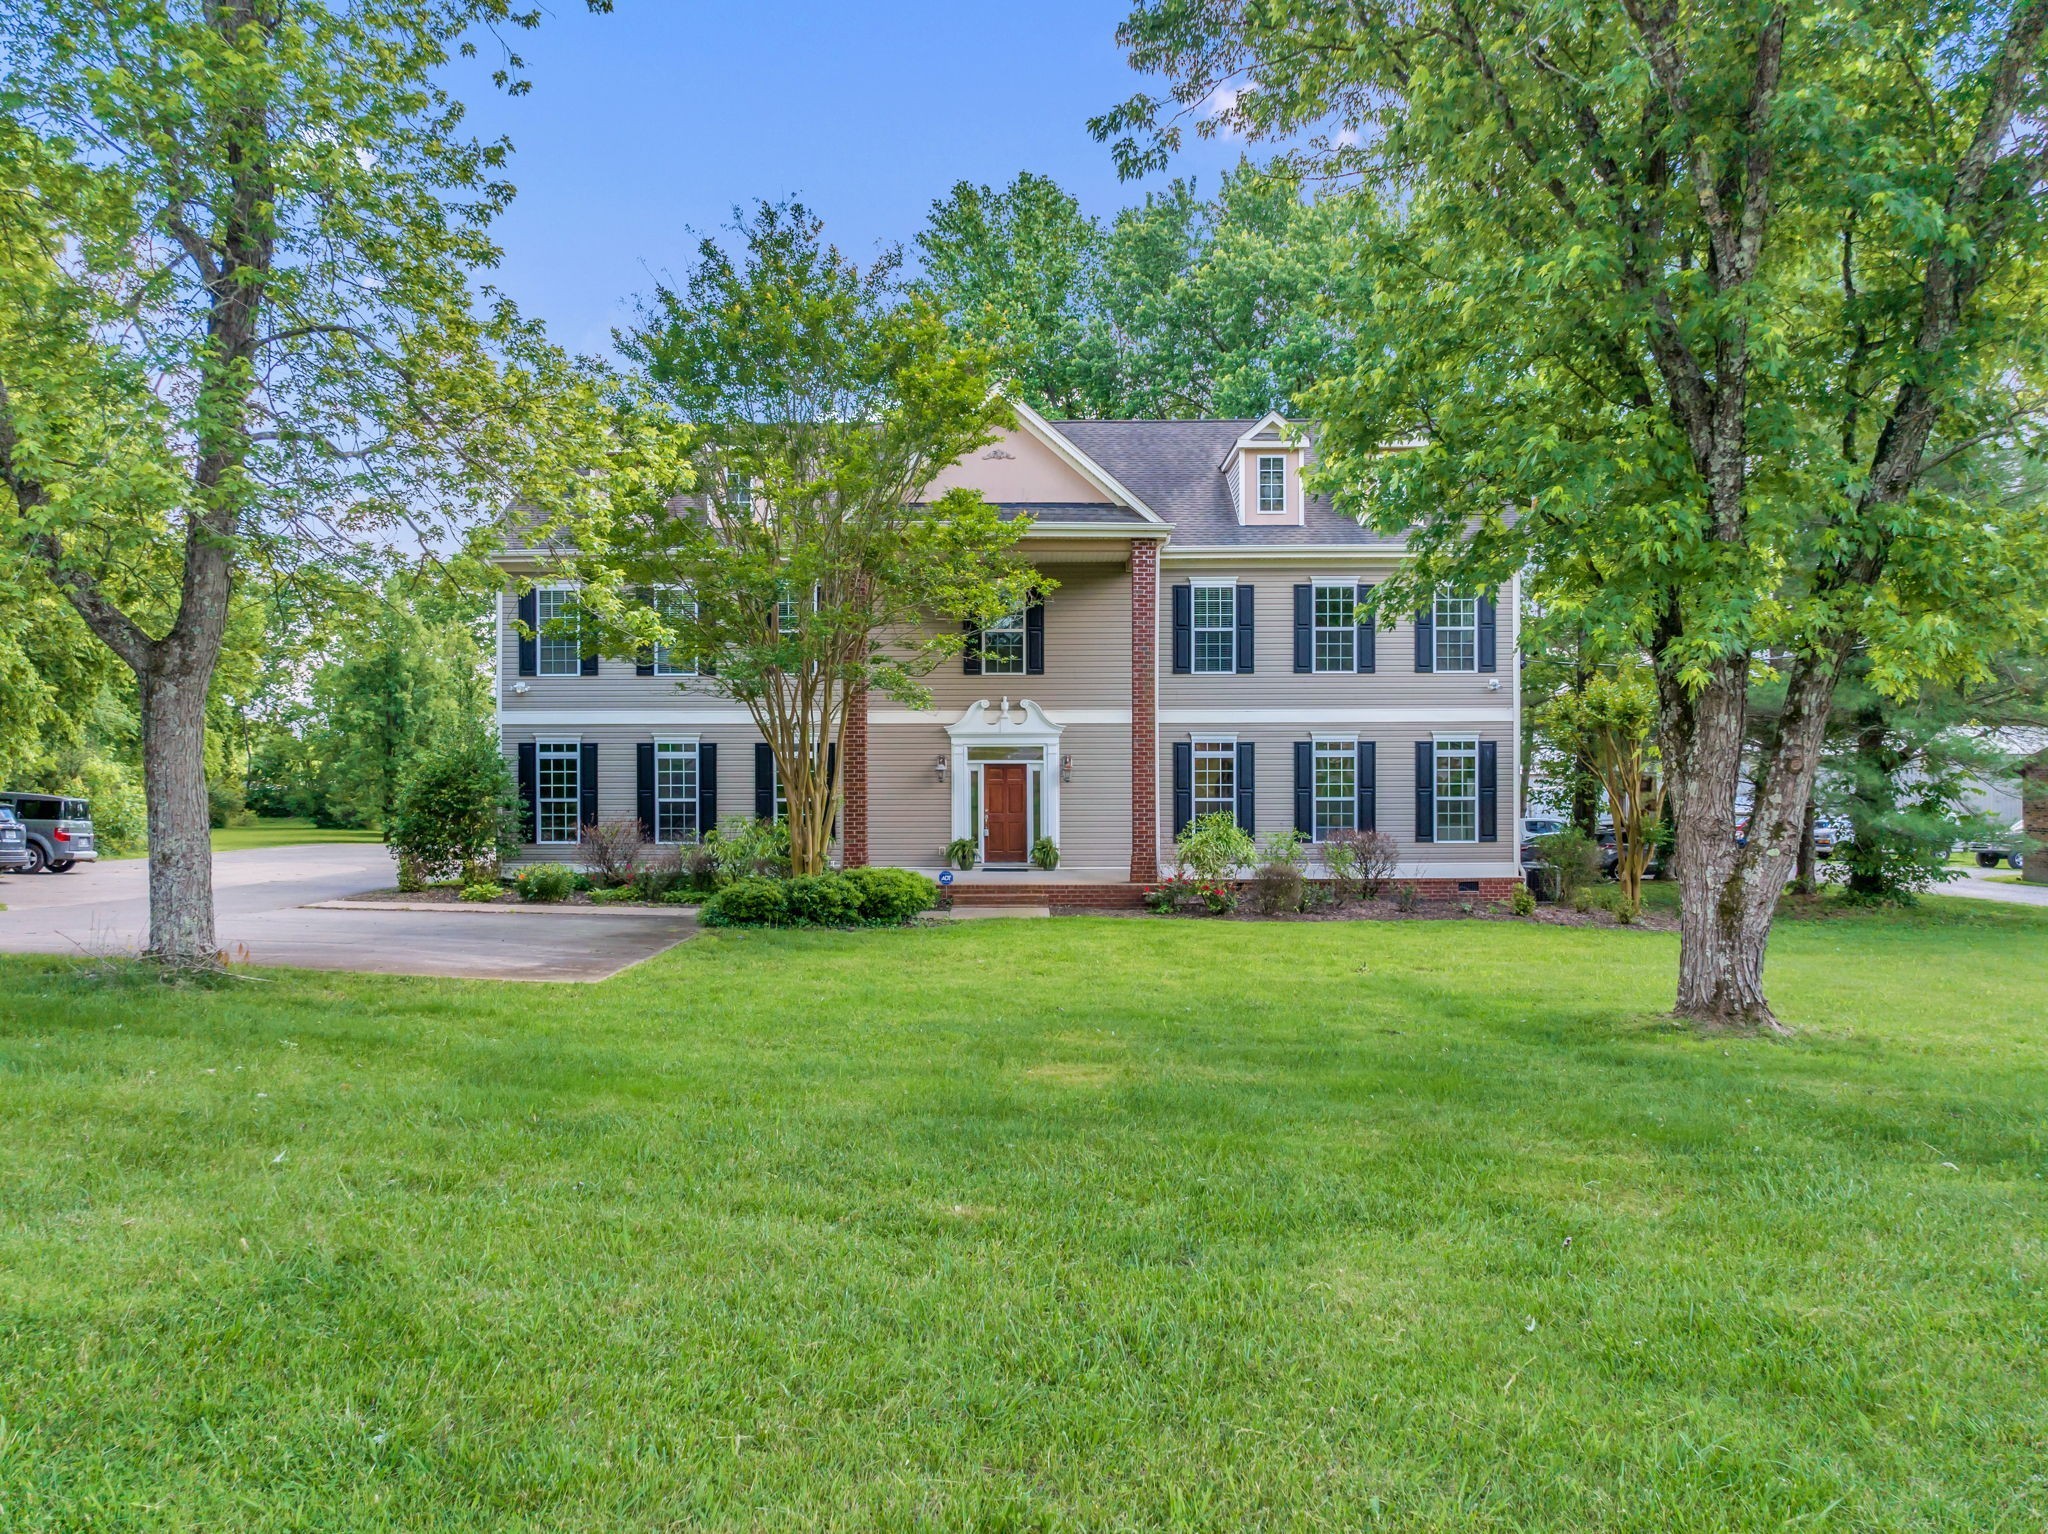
x=1200, y=653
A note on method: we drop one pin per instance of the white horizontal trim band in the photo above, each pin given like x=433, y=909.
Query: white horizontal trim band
x=1056, y=715
x=1175, y=553
x=654, y=719
x=1504, y=714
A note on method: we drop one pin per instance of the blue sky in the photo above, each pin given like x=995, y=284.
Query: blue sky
x=656, y=120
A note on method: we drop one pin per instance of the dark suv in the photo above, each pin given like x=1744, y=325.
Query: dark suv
x=59, y=831
x=13, y=840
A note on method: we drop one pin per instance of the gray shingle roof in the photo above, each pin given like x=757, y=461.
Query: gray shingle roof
x=1173, y=467
x=1091, y=512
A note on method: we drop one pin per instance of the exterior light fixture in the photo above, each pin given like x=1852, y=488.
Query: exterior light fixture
x=939, y=769
x=1067, y=768
x=1493, y=684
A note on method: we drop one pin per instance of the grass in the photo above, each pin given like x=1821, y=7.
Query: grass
x=283, y=831
x=1038, y=1225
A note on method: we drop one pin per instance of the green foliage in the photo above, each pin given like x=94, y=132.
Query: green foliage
x=1276, y=888
x=961, y=852
x=743, y=848
x=1045, y=854
x=820, y=401
x=1523, y=901
x=892, y=895
x=457, y=808
x=748, y=902
x=1289, y=847
x=478, y=893
x=824, y=900
x=1574, y=860
x=1213, y=849
x=545, y=882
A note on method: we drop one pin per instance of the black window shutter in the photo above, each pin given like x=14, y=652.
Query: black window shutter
x=707, y=788
x=1489, y=791
x=970, y=657
x=529, y=788
x=764, y=780
x=529, y=641
x=1368, y=788
x=1034, y=637
x=1425, y=790
x=1183, y=785
x=1304, y=628
x=832, y=775
x=643, y=754
x=1244, y=631
x=643, y=662
x=1486, y=639
x=1368, y=632
x=1425, y=639
x=1247, y=783
x=1305, y=787
x=587, y=782
x=590, y=665
x=1183, y=629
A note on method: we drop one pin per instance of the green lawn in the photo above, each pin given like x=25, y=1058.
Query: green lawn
x=1038, y=1225
x=283, y=832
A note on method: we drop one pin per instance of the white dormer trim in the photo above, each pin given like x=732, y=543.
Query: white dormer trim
x=1271, y=437
x=1042, y=431
x=1287, y=439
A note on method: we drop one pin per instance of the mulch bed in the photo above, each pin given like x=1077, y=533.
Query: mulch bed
x=1429, y=910
x=452, y=897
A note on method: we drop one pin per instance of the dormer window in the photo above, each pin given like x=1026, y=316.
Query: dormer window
x=1272, y=484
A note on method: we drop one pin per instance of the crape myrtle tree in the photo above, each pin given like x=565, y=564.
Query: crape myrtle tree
x=820, y=401
x=238, y=331
x=1706, y=290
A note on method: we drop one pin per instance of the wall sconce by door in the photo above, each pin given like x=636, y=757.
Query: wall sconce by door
x=939, y=769
x=1067, y=768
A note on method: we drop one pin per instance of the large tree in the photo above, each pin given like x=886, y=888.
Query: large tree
x=1706, y=290
x=820, y=401
x=238, y=329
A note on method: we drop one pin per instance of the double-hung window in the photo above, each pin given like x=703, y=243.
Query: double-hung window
x=739, y=494
x=1215, y=778
x=1457, y=789
x=560, y=651
x=1002, y=645
x=1336, y=763
x=558, y=791
x=1457, y=633
x=1272, y=484
x=673, y=602
x=1215, y=626
x=1336, y=623
x=675, y=791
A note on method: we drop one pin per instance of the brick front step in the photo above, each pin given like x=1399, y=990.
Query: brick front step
x=1109, y=897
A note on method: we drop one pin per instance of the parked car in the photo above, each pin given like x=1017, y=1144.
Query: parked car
x=1534, y=827
x=1610, y=853
x=59, y=830
x=2006, y=847
x=13, y=840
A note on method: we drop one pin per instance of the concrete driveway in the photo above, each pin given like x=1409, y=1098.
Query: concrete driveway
x=102, y=908
x=1975, y=885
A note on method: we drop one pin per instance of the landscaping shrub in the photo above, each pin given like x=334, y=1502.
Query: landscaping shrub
x=1276, y=888
x=1212, y=848
x=481, y=892
x=751, y=902
x=892, y=894
x=741, y=848
x=825, y=900
x=1407, y=898
x=1574, y=860
x=1340, y=860
x=1045, y=854
x=612, y=850
x=1522, y=902
x=617, y=894
x=410, y=879
x=547, y=882
x=456, y=806
x=1371, y=858
x=1289, y=847
x=668, y=868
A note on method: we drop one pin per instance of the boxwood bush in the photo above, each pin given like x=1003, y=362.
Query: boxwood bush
x=892, y=894
x=545, y=881
x=824, y=900
x=874, y=896
x=748, y=903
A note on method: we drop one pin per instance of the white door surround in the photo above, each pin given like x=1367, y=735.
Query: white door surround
x=1021, y=728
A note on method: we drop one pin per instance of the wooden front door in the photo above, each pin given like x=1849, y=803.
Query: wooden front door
x=1005, y=802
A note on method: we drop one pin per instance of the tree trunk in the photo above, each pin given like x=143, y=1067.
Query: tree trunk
x=1873, y=802
x=2034, y=818
x=180, y=845
x=1802, y=873
x=1729, y=893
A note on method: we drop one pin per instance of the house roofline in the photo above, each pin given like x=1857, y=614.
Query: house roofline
x=1055, y=441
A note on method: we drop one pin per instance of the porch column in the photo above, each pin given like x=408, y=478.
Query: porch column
x=853, y=808
x=1144, y=710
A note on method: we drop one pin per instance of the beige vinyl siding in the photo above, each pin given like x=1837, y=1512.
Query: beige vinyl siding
x=1274, y=682
x=614, y=686
x=1087, y=649
x=1394, y=762
x=618, y=773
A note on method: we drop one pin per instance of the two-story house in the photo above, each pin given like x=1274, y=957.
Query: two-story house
x=1199, y=653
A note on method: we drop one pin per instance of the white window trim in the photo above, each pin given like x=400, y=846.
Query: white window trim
x=1438, y=628
x=1019, y=724
x=1023, y=660
x=541, y=748
x=696, y=751
x=662, y=666
x=1316, y=588
x=1436, y=799
x=1224, y=746
x=1346, y=743
x=1196, y=630
x=1259, y=462
x=540, y=636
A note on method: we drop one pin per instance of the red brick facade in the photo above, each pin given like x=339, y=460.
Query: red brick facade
x=1144, y=710
x=853, y=809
